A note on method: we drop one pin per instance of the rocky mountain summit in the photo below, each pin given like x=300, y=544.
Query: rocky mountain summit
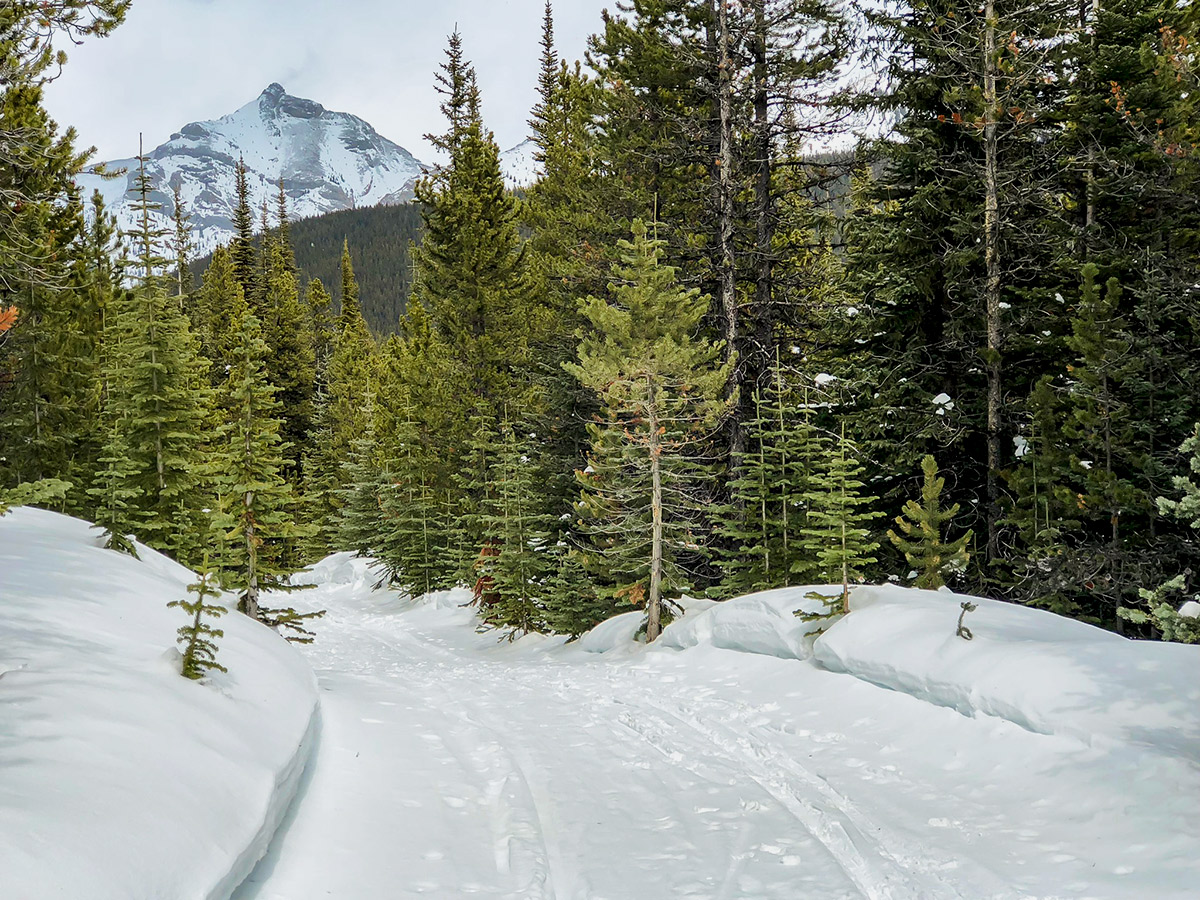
x=328, y=161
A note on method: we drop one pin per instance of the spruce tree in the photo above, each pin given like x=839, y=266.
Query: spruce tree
x=351, y=372
x=241, y=249
x=181, y=249
x=1162, y=607
x=471, y=269
x=838, y=536
x=761, y=528
x=114, y=492
x=219, y=306
x=291, y=363
x=199, y=639
x=258, y=506
x=521, y=530
x=32, y=493
x=360, y=521
x=157, y=395
x=923, y=545
x=661, y=388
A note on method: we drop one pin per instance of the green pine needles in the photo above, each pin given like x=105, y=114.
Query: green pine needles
x=838, y=536
x=198, y=639
x=34, y=492
x=921, y=524
x=763, y=525
x=1170, y=608
x=662, y=389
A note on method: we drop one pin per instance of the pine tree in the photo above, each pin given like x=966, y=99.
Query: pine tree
x=114, y=492
x=241, y=249
x=761, y=528
x=159, y=398
x=219, y=306
x=258, y=509
x=521, y=530
x=661, y=388
x=922, y=544
x=199, y=639
x=838, y=536
x=360, y=521
x=291, y=363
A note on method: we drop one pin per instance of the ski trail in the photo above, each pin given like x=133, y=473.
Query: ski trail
x=860, y=847
x=451, y=765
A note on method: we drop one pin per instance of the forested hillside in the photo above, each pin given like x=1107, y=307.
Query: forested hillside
x=379, y=237
x=673, y=364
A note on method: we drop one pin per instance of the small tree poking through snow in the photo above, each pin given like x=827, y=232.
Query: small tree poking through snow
x=198, y=639
x=922, y=543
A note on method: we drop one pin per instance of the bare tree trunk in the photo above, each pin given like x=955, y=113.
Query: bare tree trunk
x=250, y=606
x=764, y=313
x=995, y=327
x=726, y=212
x=654, y=601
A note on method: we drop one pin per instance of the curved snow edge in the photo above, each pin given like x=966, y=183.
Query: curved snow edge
x=1041, y=672
x=287, y=784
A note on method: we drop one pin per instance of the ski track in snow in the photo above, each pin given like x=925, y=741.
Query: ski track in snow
x=448, y=768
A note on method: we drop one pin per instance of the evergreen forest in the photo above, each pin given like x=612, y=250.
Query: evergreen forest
x=805, y=293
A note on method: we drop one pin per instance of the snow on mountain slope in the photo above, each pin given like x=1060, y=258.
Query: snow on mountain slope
x=519, y=166
x=119, y=779
x=722, y=763
x=328, y=161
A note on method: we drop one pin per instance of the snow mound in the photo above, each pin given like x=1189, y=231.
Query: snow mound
x=617, y=633
x=1041, y=671
x=763, y=623
x=123, y=779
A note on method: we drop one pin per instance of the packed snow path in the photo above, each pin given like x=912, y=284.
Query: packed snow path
x=452, y=766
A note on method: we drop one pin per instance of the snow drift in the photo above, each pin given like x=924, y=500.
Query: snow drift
x=121, y=778
x=1044, y=672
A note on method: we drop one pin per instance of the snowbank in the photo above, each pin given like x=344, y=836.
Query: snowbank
x=763, y=623
x=1044, y=672
x=122, y=779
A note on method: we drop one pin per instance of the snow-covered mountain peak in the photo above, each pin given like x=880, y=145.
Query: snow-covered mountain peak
x=327, y=160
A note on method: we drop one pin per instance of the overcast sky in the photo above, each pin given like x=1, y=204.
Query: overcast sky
x=180, y=61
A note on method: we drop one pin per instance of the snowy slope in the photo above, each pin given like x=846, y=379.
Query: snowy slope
x=519, y=166
x=119, y=779
x=726, y=762
x=328, y=160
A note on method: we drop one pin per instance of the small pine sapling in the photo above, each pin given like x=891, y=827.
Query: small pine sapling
x=199, y=638
x=922, y=544
x=838, y=534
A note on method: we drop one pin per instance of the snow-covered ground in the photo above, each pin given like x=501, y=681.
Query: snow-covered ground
x=741, y=757
x=1044, y=759
x=119, y=779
